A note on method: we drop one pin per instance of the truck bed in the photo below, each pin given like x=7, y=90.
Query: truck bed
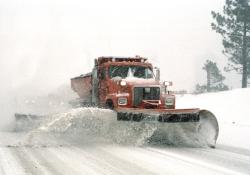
x=82, y=85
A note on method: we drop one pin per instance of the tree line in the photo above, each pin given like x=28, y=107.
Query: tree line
x=233, y=24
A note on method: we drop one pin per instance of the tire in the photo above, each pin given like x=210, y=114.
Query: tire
x=109, y=104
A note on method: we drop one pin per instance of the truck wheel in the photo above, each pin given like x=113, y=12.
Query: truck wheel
x=109, y=104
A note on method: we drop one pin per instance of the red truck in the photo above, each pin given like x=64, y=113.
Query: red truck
x=124, y=83
x=132, y=87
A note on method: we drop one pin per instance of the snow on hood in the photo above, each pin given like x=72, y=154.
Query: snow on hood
x=139, y=80
x=135, y=80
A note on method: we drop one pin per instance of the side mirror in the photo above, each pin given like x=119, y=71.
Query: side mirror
x=157, y=73
x=168, y=83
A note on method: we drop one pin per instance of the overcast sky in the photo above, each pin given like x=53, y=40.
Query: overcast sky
x=45, y=43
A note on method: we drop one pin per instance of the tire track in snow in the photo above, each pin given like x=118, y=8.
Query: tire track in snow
x=28, y=161
x=199, y=163
x=76, y=161
x=221, y=157
x=114, y=162
x=117, y=159
x=101, y=162
x=43, y=160
x=157, y=163
x=241, y=151
x=9, y=164
x=237, y=162
x=52, y=163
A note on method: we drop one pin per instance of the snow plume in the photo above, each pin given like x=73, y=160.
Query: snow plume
x=26, y=100
x=6, y=107
x=88, y=125
x=95, y=125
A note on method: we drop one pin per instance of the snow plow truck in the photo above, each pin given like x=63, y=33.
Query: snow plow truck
x=131, y=86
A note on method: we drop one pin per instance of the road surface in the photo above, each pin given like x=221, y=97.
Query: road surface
x=103, y=158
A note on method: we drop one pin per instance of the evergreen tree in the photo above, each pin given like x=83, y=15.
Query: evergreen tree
x=214, y=79
x=234, y=26
x=200, y=89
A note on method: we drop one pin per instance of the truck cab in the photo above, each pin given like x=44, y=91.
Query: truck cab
x=123, y=82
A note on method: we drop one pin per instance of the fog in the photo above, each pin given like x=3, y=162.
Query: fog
x=45, y=43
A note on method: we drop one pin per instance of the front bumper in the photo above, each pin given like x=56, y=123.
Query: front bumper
x=158, y=115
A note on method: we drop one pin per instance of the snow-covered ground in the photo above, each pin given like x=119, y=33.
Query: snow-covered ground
x=232, y=109
x=67, y=143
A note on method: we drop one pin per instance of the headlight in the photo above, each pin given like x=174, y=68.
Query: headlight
x=123, y=83
x=169, y=101
x=122, y=101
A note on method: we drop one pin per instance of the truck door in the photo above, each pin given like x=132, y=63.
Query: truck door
x=103, y=87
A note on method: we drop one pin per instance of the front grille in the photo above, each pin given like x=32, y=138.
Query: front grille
x=145, y=93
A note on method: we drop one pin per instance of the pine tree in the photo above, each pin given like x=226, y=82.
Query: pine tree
x=234, y=26
x=214, y=79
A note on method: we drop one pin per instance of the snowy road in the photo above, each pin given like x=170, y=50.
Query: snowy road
x=117, y=159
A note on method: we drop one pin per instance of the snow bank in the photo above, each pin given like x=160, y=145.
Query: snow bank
x=232, y=109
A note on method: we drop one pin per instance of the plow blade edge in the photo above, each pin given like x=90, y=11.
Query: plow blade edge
x=193, y=125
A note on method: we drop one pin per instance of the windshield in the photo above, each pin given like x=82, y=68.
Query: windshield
x=130, y=71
